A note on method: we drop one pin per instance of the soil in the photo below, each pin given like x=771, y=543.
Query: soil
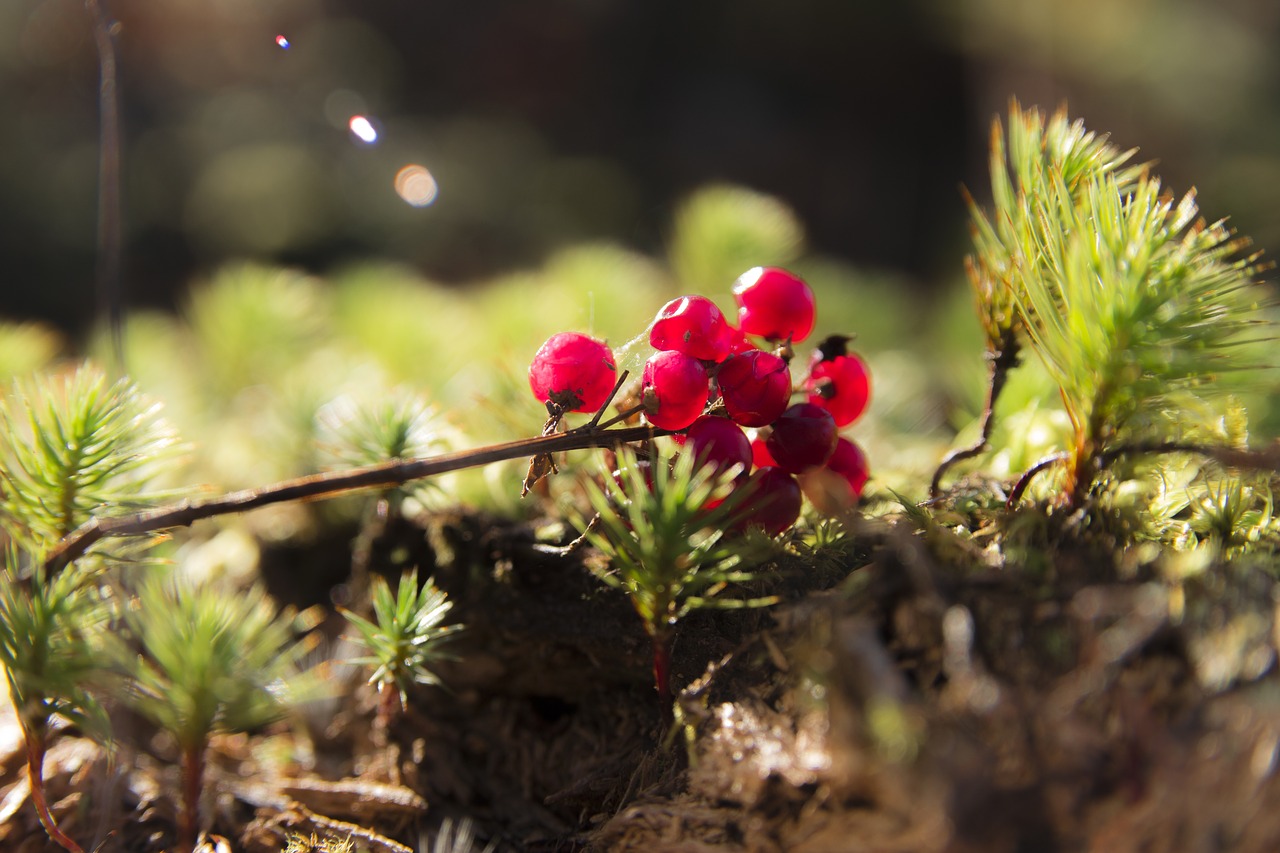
x=916, y=690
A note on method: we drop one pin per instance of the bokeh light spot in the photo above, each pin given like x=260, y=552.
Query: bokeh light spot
x=416, y=185
x=282, y=42
x=363, y=129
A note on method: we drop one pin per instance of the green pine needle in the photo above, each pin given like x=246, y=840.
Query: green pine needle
x=53, y=641
x=1138, y=309
x=404, y=639
x=665, y=534
x=211, y=661
x=72, y=446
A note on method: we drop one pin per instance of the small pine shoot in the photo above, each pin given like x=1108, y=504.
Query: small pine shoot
x=72, y=446
x=664, y=525
x=209, y=661
x=1139, y=310
x=404, y=638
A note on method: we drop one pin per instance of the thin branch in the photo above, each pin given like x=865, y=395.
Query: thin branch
x=1002, y=361
x=1027, y=476
x=110, y=296
x=394, y=473
x=1267, y=459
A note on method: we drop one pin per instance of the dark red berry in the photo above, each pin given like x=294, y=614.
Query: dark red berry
x=694, y=326
x=836, y=486
x=720, y=442
x=804, y=436
x=574, y=371
x=674, y=389
x=772, y=501
x=755, y=386
x=841, y=385
x=774, y=304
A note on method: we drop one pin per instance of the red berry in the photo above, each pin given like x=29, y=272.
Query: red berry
x=694, y=326
x=574, y=371
x=772, y=502
x=755, y=387
x=736, y=341
x=803, y=437
x=674, y=389
x=760, y=455
x=774, y=304
x=837, y=485
x=720, y=442
x=841, y=385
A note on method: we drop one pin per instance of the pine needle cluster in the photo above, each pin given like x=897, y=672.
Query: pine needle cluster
x=1139, y=309
x=666, y=525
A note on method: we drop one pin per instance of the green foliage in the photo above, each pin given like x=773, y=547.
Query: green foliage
x=212, y=661
x=25, y=348
x=253, y=323
x=1040, y=158
x=398, y=425
x=722, y=231
x=404, y=639
x=1137, y=309
x=75, y=445
x=664, y=528
x=53, y=641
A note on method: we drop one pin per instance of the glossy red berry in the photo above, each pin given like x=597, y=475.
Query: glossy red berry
x=774, y=304
x=772, y=501
x=694, y=326
x=841, y=385
x=836, y=486
x=804, y=436
x=574, y=371
x=720, y=442
x=755, y=387
x=674, y=389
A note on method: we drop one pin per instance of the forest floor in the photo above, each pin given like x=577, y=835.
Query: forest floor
x=912, y=691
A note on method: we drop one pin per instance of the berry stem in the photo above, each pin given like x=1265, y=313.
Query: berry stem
x=394, y=473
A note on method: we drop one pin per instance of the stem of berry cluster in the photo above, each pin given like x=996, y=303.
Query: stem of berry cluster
x=394, y=473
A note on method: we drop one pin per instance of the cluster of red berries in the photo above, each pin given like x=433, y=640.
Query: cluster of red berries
x=708, y=382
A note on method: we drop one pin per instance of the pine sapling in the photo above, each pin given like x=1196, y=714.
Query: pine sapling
x=209, y=661
x=667, y=527
x=403, y=640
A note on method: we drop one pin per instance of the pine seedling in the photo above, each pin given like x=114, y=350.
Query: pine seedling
x=666, y=529
x=1141, y=314
x=52, y=637
x=1039, y=157
x=1136, y=306
x=208, y=662
x=401, y=425
x=403, y=640
x=71, y=447
x=74, y=446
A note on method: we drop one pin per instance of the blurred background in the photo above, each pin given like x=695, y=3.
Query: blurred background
x=488, y=134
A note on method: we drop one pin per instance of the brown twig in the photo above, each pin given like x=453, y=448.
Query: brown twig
x=394, y=473
x=1002, y=360
x=1015, y=495
x=1267, y=459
